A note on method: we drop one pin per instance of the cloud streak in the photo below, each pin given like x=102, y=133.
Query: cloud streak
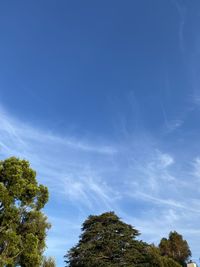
x=181, y=9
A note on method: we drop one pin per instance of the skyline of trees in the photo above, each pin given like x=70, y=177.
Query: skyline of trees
x=106, y=241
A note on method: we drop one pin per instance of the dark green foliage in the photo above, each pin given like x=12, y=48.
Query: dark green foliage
x=175, y=247
x=22, y=225
x=106, y=241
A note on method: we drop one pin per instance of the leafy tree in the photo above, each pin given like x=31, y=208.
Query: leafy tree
x=48, y=262
x=156, y=260
x=175, y=247
x=106, y=241
x=22, y=224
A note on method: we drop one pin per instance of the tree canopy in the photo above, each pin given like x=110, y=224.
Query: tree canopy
x=106, y=241
x=175, y=247
x=157, y=260
x=48, y=262
x=22, y=224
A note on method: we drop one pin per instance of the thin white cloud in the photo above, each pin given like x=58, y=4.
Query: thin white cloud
x=170, y=125
x=12, y=129
x=173, y=203
x=196, y=164
x=181, y=9
x=173, y=125
x=88, y=190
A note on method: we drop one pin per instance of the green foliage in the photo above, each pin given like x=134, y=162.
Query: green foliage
x=156, y=260
x=106, y=241
x=175, y=247
x=48, y=262
x=168, y=262
x=22, y=225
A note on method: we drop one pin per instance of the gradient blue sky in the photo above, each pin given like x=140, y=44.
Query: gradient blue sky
x=103, y=98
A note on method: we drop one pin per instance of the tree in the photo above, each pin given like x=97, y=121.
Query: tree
x=156, y=260
x=22, y=224
x=48, y=262
x=175, y=247
x=106, y=241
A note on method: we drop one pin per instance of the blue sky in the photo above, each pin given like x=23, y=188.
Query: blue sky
x=103, y=98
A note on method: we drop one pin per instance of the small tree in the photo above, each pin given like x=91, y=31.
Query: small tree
x=156, y=260
x=22, y=224
x=48, y=262
x=175, y=247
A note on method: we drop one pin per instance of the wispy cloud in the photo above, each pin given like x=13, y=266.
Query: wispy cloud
x=170, y=125
x=181, y=9
x=89, y=190
x=196, y=164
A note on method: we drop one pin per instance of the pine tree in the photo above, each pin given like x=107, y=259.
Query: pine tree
x=106, y=241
